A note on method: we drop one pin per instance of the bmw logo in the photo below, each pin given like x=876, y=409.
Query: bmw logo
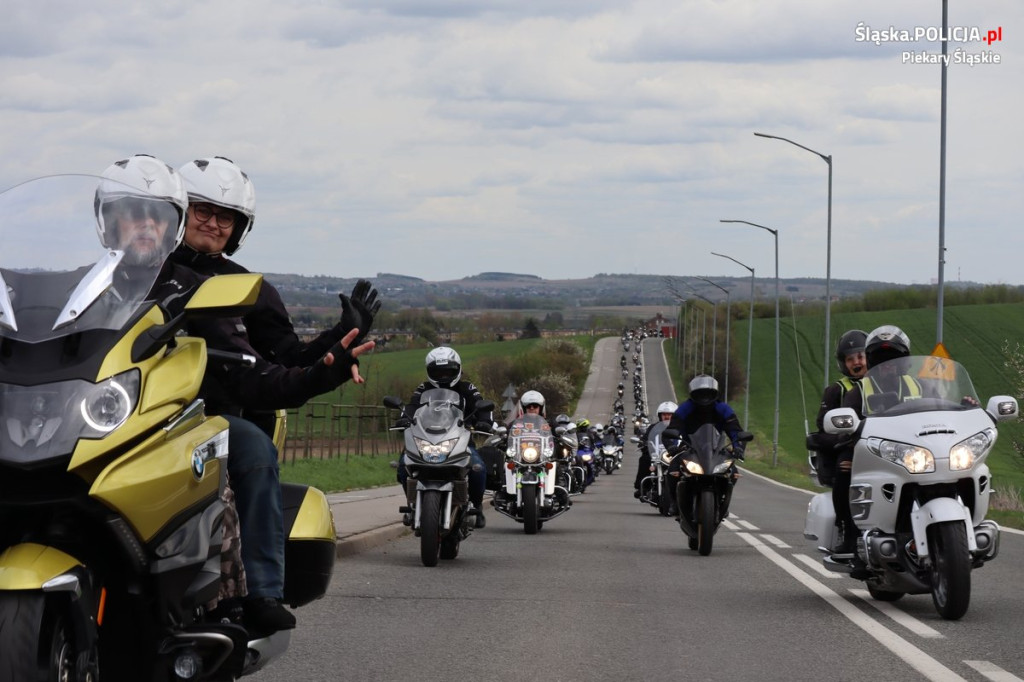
x=198, y=465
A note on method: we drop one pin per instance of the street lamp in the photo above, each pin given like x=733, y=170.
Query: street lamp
x=775, y=233
x=750, y=340
x=714, y=324
x=704, y=333
x=828, y=249
x=728, y=319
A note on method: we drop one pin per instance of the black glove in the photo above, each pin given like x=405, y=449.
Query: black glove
x=738, y=450
x=340, y=370
x=403, y=423
x=359, y=309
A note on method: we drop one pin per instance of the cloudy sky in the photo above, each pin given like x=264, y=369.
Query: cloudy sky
x=561, y=138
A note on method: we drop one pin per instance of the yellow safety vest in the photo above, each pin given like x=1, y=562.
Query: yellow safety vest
x=908, y=390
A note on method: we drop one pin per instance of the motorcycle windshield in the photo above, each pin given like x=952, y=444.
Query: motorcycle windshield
x=439, y=411
x=706, y=443
x=530, y=436
x=80, y=253
x=654, y=445
x=919, y=383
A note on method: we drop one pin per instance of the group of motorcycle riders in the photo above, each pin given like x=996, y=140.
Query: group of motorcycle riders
x=214, y=204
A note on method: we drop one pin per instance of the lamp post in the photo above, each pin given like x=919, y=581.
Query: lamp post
x=828, y=248
x=728, y=319
x=704, y=334
x=750, y=338
x=775, y=233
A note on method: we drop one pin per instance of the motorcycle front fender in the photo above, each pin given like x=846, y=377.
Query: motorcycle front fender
x=30, y=566
x=940, y=510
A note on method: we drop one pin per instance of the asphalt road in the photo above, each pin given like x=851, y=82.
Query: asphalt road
x=609, y=591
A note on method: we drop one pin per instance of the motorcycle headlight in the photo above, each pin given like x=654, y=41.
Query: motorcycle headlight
x=530, y=454
x=964, y=454
x=106, y=405
x=723, y=467
x=586, y=457
x=915, y=459
x=693, y=467
x=435, y=452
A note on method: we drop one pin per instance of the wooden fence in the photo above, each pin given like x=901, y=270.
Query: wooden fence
x=324, y=431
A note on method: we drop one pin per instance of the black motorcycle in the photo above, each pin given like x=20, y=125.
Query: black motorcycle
x=706, y=475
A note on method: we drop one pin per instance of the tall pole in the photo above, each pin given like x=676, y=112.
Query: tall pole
x=750, y=339
x=728, y=348
x=828, y=240
x=775, y=436
x=942, y=179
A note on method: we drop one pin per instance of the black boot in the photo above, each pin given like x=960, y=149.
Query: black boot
x=266, y=615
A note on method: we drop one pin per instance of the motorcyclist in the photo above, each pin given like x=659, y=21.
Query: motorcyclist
x=665, y=412
x=227, y=386
x=704, y=407
x=221, y=213
x=444, y=370
x=882, y=344
x=852, y=365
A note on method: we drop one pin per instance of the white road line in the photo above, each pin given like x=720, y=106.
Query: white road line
x=747, y=524
x=775, y=541
x=901, y=617
x=993, y=672
x=818, y=567
x=910, y=654
x=730, y=525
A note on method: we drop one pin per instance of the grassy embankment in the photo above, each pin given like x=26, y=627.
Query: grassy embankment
x=973, y=335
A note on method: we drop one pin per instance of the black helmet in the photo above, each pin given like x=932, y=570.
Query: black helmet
x=852, y=341
x=703, y=389
x=886, y=343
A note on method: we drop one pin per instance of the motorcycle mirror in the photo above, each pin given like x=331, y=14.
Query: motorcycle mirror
x=392, y=402
x=1002, y=407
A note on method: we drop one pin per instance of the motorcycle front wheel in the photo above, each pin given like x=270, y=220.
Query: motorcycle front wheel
x=951, y=569
x=530, y=524
x=430, y=527
x=705, y=521
x=36, y=642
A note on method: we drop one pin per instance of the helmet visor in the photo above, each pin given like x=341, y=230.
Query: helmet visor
x=444, y=375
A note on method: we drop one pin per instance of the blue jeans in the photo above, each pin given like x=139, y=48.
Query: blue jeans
x=252, y=468
x=477, y=479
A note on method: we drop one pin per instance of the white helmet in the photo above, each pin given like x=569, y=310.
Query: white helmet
x=704, y=389
x=219, y=181
x=144, y=186
x=444, y=367
x=599, y=428
x=531, y=398
x=667, y=407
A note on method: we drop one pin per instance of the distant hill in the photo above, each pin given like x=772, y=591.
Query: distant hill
x=501, y=290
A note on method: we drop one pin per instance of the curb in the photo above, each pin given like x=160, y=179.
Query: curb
x=360, y=542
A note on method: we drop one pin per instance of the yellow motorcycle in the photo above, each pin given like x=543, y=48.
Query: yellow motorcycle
x=111, y=474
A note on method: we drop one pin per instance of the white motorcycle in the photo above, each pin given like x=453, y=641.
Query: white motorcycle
x=654, y=488
x=920, y=487
x=531, y=495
